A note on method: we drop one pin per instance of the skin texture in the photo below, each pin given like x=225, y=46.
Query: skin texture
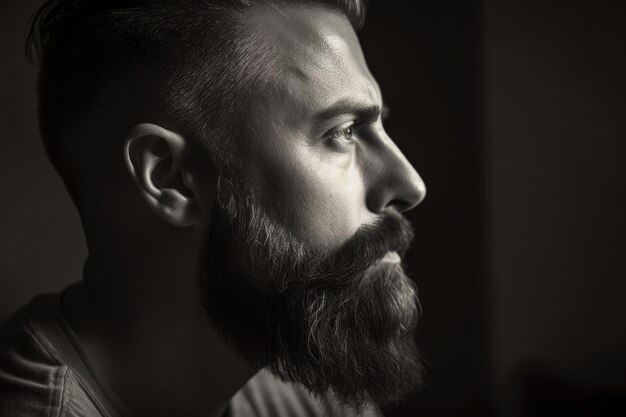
x=145, y=220
x=327, y=188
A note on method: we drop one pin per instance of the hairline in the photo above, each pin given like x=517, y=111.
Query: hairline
x=184, y=104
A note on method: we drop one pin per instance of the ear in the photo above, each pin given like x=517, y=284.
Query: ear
x=156, y=159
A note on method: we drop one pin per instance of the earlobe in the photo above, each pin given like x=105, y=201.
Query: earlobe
x=156, y=160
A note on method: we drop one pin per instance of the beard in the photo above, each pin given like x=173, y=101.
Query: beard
x=338, y=322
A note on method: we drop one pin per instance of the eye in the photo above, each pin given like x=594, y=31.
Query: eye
x=341, y=136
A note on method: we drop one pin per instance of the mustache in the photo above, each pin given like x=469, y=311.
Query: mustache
x=392, y=232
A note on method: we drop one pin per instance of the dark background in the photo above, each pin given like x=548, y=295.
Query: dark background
x=514, y=112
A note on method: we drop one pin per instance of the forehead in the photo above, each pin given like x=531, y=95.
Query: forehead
x=320, y=55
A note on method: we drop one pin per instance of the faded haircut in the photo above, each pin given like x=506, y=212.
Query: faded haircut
x=198, y=60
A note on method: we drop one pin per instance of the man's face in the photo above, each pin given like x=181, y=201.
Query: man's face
x=321, y=157
x=301, y=271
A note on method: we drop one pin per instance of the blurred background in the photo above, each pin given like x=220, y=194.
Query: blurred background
x=514, y=112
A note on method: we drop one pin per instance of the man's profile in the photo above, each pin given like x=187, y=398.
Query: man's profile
x=242, y=206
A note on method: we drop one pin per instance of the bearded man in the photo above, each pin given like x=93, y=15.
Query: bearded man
x=242, y=207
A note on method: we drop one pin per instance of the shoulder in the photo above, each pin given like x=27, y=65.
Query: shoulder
x=266, y=396
x=33, y=381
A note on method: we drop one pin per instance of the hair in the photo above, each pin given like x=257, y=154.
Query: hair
x=196, y=58
x=336, y=322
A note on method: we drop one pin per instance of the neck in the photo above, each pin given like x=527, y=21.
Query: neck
x=153, y=341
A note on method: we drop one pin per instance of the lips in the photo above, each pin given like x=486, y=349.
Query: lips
x=391, y=257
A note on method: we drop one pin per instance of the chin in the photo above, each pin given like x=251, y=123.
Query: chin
x=359, y=345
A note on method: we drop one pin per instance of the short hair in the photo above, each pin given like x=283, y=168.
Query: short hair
x=197, y=53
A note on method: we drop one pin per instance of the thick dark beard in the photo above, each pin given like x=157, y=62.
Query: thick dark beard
x=338, y=323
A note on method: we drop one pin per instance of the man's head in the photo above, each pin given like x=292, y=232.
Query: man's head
x=258, y=125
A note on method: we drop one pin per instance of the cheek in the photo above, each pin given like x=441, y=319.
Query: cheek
x=319, y=198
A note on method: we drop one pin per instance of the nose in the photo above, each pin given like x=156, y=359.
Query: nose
x=393, y=182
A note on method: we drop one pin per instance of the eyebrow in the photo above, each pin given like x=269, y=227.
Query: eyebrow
x=362, y=113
